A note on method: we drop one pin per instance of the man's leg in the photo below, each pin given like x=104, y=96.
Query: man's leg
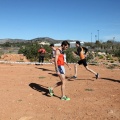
x=75, y=71
x=62, y=83
x=42, y=59
x=62, y=77
x=87, y=68
x=39, y=59
x=96, y=74
x=54, y=86
x=64, y=97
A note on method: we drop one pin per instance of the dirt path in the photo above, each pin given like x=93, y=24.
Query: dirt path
x=24, y=94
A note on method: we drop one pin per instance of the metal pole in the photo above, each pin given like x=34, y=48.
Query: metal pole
x=98, y=35
x=95, y=37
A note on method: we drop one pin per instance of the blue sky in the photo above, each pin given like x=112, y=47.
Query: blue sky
x=60, y=19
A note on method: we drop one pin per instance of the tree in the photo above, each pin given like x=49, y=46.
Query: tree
x=70, y=57
x=30, y=51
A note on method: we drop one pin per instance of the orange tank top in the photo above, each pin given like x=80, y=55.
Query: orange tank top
x=82, y=56
x=60, y=60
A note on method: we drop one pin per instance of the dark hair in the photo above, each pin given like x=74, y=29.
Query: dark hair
x=65, y=43
x=78, y=42
x=51, y=45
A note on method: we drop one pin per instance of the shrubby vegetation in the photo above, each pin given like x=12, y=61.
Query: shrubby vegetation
x=30, y=49
x=117, y=53
x=70, y=58
x=31, y=52
x=111, y=47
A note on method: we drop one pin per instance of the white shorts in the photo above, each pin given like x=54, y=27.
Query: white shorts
x=61, y=69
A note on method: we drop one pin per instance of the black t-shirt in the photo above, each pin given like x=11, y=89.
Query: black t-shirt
x=79, y=49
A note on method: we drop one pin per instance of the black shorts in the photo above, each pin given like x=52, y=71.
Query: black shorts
x=83, y=61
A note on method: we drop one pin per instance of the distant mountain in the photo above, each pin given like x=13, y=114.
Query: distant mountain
x=40, y=39
x=2, y=41
x=47, y=39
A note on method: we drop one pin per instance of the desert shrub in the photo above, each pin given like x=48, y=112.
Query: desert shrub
x=1, y=53
x=101, y=57
x=90, y=57
x=117, y=53
x=30, y=51
x=70, y=58
x=109, y=57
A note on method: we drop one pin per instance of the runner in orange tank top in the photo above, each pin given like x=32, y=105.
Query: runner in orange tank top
x=81, y=52
x=60, y=60
x=82, y=56
x=60, y=70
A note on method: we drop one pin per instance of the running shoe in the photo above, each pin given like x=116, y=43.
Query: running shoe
x=50, y=91
x=65, y=98
x=97, y=76
x=74, y=77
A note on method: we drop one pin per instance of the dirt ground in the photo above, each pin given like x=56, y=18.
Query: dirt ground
x=24, y=94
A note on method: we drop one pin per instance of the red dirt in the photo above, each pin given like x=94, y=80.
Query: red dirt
x=24, y=94
x=14, y=57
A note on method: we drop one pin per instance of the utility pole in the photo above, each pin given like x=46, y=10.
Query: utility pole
x=95, y=37
x=113, y=39
x=98, y=35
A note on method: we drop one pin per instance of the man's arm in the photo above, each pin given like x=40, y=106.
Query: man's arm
x=39, y=50
x=45, y=51
x=67, y=65
x=77, y=53
x=85, y=49
x=56, y=59
x=66, y=61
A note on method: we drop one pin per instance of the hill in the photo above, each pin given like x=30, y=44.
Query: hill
x=39, y=39
x=2, y=41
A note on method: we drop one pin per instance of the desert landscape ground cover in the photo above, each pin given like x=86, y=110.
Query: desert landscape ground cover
x=24, y=93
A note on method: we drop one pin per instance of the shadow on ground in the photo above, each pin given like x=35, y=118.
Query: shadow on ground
x=54, y=74
x=45, y=69
x=113, y=80
x=41, y=88
x=72, y=79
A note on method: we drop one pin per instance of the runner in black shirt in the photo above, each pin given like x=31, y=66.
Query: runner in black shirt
x=81, y=52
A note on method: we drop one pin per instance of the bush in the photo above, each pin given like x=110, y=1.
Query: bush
x=70, y=58
x=101, y=57
x=117, y=53
x=109, y=57
x=30, y=51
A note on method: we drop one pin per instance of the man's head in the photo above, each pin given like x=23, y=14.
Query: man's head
x=65, y=44
x=51, y=45
x=78, y=43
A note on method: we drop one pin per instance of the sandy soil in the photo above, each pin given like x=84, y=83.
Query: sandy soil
x=14, y=57
x=24, y=94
